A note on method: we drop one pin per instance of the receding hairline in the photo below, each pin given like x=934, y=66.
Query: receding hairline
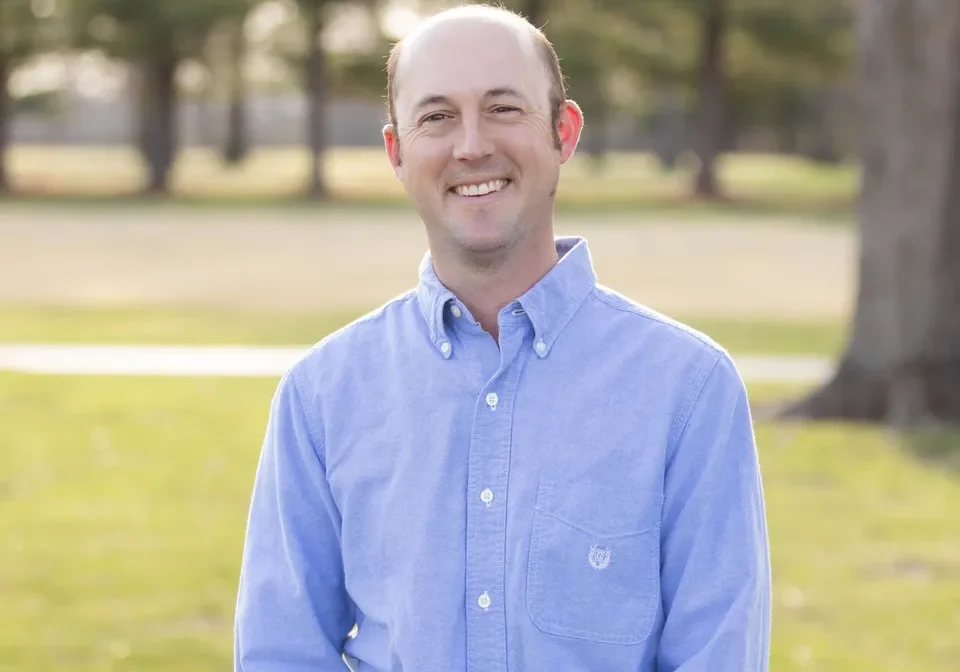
x=505, y=17
x=486, y=13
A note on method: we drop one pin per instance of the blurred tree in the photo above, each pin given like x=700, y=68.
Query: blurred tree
x=156, y=37
x=315, y=74
x=679, y=44
x=236, y=144
x=796, y=56
x=795, y=48
x=902, y=362
x=587, y=54
x=353, y=72
x=27, y=27
x=360, y=74
x=711, y=110
x=727, y=63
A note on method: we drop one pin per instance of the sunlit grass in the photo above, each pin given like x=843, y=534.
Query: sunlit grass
x=123, y=504
x=233, y=327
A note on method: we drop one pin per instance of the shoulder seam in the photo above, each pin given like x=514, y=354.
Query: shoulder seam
x=406, y=297
x=694, y=399
x=654, y=318
x=313, y=423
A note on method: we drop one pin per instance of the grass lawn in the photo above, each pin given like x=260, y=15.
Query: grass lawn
x=752, y=182
x=223, y=327
x=123, y=501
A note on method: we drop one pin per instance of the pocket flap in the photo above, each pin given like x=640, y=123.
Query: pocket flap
x=600, y=510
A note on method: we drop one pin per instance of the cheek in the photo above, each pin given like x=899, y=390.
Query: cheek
x=423, y=167
x=546, y=133
x=537, y=148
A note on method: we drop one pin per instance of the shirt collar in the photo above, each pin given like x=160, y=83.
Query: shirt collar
x=549, y=304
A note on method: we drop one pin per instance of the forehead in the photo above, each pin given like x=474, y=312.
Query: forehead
x=463, y=58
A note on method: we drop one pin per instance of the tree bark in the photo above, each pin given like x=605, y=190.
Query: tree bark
x=902, y=363
x=711, y=117
x=159, y=131
x=5, y=114
x=316, y=85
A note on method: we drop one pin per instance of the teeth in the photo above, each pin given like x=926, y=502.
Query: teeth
x=481, y=189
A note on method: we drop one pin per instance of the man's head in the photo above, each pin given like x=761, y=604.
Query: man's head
x=477, y=104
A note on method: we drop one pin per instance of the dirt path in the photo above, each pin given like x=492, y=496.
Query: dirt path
x=297, y=259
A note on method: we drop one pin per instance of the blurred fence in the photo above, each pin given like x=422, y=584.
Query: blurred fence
x=281, y=119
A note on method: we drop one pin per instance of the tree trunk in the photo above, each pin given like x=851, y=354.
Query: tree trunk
x=237, y=143
x=902, y=362
x=712, y=97
x=5, y=114
x=159, y=131
x=788, y=136
x=316, y=85
x=670, y=127
x=824, y=148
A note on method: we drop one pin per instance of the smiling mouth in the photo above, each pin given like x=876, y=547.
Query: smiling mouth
x=478, y=190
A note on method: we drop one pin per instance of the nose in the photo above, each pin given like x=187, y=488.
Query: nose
x=472, y=142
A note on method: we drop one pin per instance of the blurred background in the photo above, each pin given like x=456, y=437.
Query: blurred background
x=193, y=191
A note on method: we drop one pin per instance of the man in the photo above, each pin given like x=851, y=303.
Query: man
x=510, y=467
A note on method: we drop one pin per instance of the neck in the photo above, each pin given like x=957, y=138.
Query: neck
x=485, y=286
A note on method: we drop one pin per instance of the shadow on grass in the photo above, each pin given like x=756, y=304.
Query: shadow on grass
x=936, y=447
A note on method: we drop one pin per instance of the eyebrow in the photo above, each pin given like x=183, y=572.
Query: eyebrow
x=500, y=92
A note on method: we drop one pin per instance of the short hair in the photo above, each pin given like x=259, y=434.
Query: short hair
x=557, y=93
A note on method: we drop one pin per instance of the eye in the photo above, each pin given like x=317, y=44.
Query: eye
x=504, y=108
x=434, y=116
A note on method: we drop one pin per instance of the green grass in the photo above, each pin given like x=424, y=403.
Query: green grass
x=213, y=327
x=752, y=182
x=123, y=505
x=123, y=502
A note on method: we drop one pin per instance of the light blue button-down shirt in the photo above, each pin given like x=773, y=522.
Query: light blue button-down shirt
x=586, y=497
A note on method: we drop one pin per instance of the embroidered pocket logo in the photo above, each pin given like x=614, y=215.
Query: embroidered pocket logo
x=599, y=557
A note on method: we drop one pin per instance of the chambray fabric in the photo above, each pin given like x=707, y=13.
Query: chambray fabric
x=584, y=497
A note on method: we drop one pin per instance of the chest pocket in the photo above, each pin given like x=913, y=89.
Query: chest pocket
x=594, y=566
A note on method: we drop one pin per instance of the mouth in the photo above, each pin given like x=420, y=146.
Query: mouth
x=481, y=190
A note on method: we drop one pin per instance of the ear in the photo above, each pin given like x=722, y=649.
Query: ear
x=391, y=142
x=569, y=126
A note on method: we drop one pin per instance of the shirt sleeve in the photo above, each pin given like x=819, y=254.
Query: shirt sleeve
x=293, y=613
x=715, y=574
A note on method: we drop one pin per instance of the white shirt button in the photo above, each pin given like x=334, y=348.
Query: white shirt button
x=445, y=347
x=541, y=347
x=484, y=601
x=455, y=311
x=486, y=496
x=492, y=400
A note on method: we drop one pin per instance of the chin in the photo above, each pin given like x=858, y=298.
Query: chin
x=488, y=241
